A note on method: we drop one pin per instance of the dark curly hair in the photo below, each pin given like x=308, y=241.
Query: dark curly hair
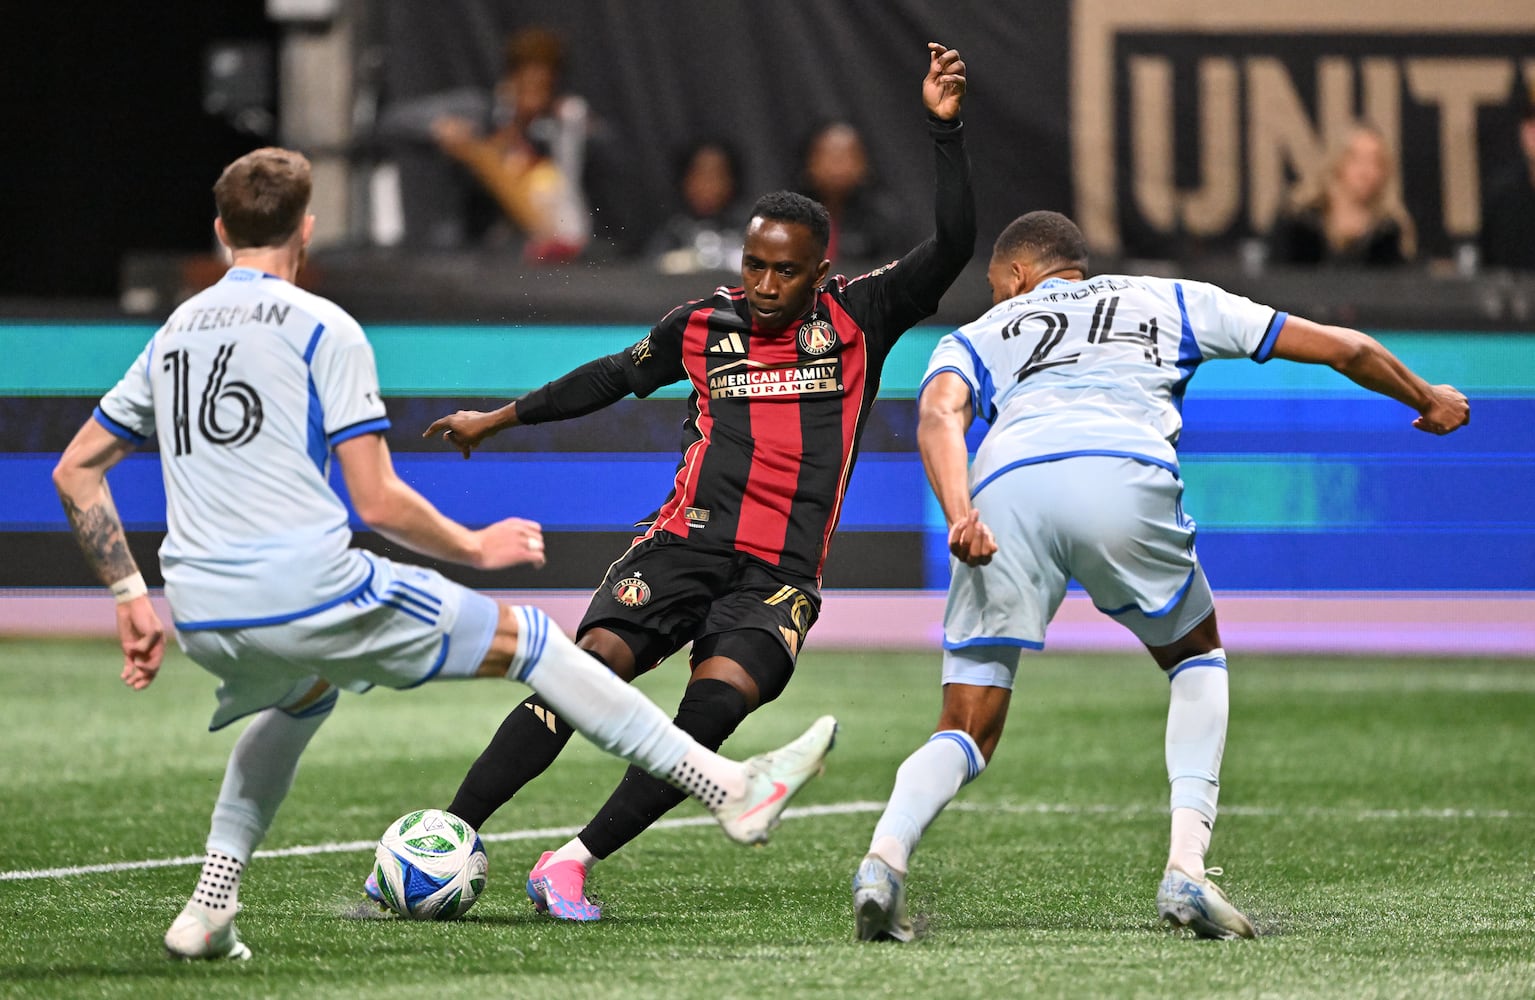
x=788, y=206
x=1046, y=236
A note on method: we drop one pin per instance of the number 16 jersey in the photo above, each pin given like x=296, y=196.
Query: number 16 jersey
x=247, y=387
x=1095, y=367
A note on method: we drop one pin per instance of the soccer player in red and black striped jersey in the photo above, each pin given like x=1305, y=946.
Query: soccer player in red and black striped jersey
x=784, y=370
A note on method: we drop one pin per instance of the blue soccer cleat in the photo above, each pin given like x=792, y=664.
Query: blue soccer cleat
x=879, y=902
x=1200, y=905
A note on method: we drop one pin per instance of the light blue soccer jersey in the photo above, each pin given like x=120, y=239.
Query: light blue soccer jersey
x=1095, y=367
x=248, y=386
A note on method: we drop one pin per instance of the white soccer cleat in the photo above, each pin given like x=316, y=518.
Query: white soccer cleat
x=201, y=933
x=1200, y=905
x=879, y=902
x=772, y=778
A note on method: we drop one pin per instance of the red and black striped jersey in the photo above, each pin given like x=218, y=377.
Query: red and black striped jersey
x=775, y=417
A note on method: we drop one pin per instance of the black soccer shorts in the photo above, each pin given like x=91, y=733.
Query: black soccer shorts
x=665, y=593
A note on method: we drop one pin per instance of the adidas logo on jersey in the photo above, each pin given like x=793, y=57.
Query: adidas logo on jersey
x=729, y=344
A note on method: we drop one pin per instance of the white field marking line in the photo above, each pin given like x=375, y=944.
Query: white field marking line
x=805, y=812
x=358, y=846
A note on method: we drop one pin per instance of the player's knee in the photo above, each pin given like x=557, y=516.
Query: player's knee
x=976, y=756
x=314, y=703
x=751, y=660
x=503, y=645
x=711, y=710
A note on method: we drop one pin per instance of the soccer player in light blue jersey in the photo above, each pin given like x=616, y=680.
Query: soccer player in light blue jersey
x=250, y=387
x=1082, y=381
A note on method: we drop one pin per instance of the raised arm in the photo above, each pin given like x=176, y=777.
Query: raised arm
x=911, y=290
x=943, y=90
x=943, y=414
x=1363, y=359
x=81, y=480
x=392, y=508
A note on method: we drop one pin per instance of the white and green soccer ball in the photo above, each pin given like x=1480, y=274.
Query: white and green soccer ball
x=430, y=865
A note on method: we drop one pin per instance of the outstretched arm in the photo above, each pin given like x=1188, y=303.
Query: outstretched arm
x=589, y=388
x=1361, y=358
x=81, y=480
x=943, y=414
x=392, y=508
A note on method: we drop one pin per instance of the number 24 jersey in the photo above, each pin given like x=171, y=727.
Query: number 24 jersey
x=1096, y=367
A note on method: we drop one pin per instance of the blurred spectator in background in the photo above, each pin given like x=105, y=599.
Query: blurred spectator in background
x=705, y=234
x=526, y=146
x=1348, y=212
x=835, y=171
x=1508, y=210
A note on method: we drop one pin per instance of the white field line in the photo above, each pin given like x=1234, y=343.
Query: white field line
x=831, y=809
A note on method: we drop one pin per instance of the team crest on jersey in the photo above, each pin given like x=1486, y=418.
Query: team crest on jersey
x=632, y=592
x=817, y=337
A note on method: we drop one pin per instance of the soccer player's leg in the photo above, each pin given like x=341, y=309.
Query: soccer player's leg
x=529, y=739
x=735, y=670
x=968, y=729
x=629, y=628
x=1197, y=712
x=1136, y=558
x=747, y=797
x=992, y=614
x=257, y=777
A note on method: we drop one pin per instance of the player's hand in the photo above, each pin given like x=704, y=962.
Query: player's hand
x=971, y=541
x=464, y=430
x=143, y=640
x=944, y=86
x=1449, y=411
x=512, y=542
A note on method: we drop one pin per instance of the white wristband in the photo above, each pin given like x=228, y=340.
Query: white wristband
x=129, y=587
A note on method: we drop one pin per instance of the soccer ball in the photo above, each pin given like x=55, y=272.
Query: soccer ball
x=430, y=865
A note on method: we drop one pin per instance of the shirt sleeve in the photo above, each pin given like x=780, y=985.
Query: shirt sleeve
x=1227, y=325
x=956, y=354
x=128, y=410
x=345, y=380
x=891, y=299
x=656, y=360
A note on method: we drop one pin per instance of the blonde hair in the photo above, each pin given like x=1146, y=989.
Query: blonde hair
x=1314, y=191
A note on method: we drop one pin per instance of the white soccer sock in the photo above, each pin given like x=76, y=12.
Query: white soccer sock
x=1197, y=711
x=924, y=784
x=576, y=850
x=256, y=780
x=614, y=715
x=218, y=886
x=1190, y=841
x=260, y=772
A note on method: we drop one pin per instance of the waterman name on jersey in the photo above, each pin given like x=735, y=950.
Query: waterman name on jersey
x=248, y=386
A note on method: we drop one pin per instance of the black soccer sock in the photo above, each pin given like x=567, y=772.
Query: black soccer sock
x=710, y=711
x=522, y=749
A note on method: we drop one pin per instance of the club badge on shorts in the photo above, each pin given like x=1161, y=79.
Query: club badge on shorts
x=817, y=337
x=632, y=592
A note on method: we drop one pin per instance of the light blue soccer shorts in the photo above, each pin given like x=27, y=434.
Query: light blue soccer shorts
x=409, y=626
x=1114, y=524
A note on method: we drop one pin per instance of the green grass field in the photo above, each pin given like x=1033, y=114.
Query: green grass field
x=1378, y=818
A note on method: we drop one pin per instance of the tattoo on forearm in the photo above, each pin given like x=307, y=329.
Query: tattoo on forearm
x=99, y=531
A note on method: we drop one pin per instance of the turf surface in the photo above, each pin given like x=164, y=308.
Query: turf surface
x=1377, y=822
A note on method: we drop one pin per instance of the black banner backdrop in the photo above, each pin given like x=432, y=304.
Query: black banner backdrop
x=660, y=73
x=1167, y=129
